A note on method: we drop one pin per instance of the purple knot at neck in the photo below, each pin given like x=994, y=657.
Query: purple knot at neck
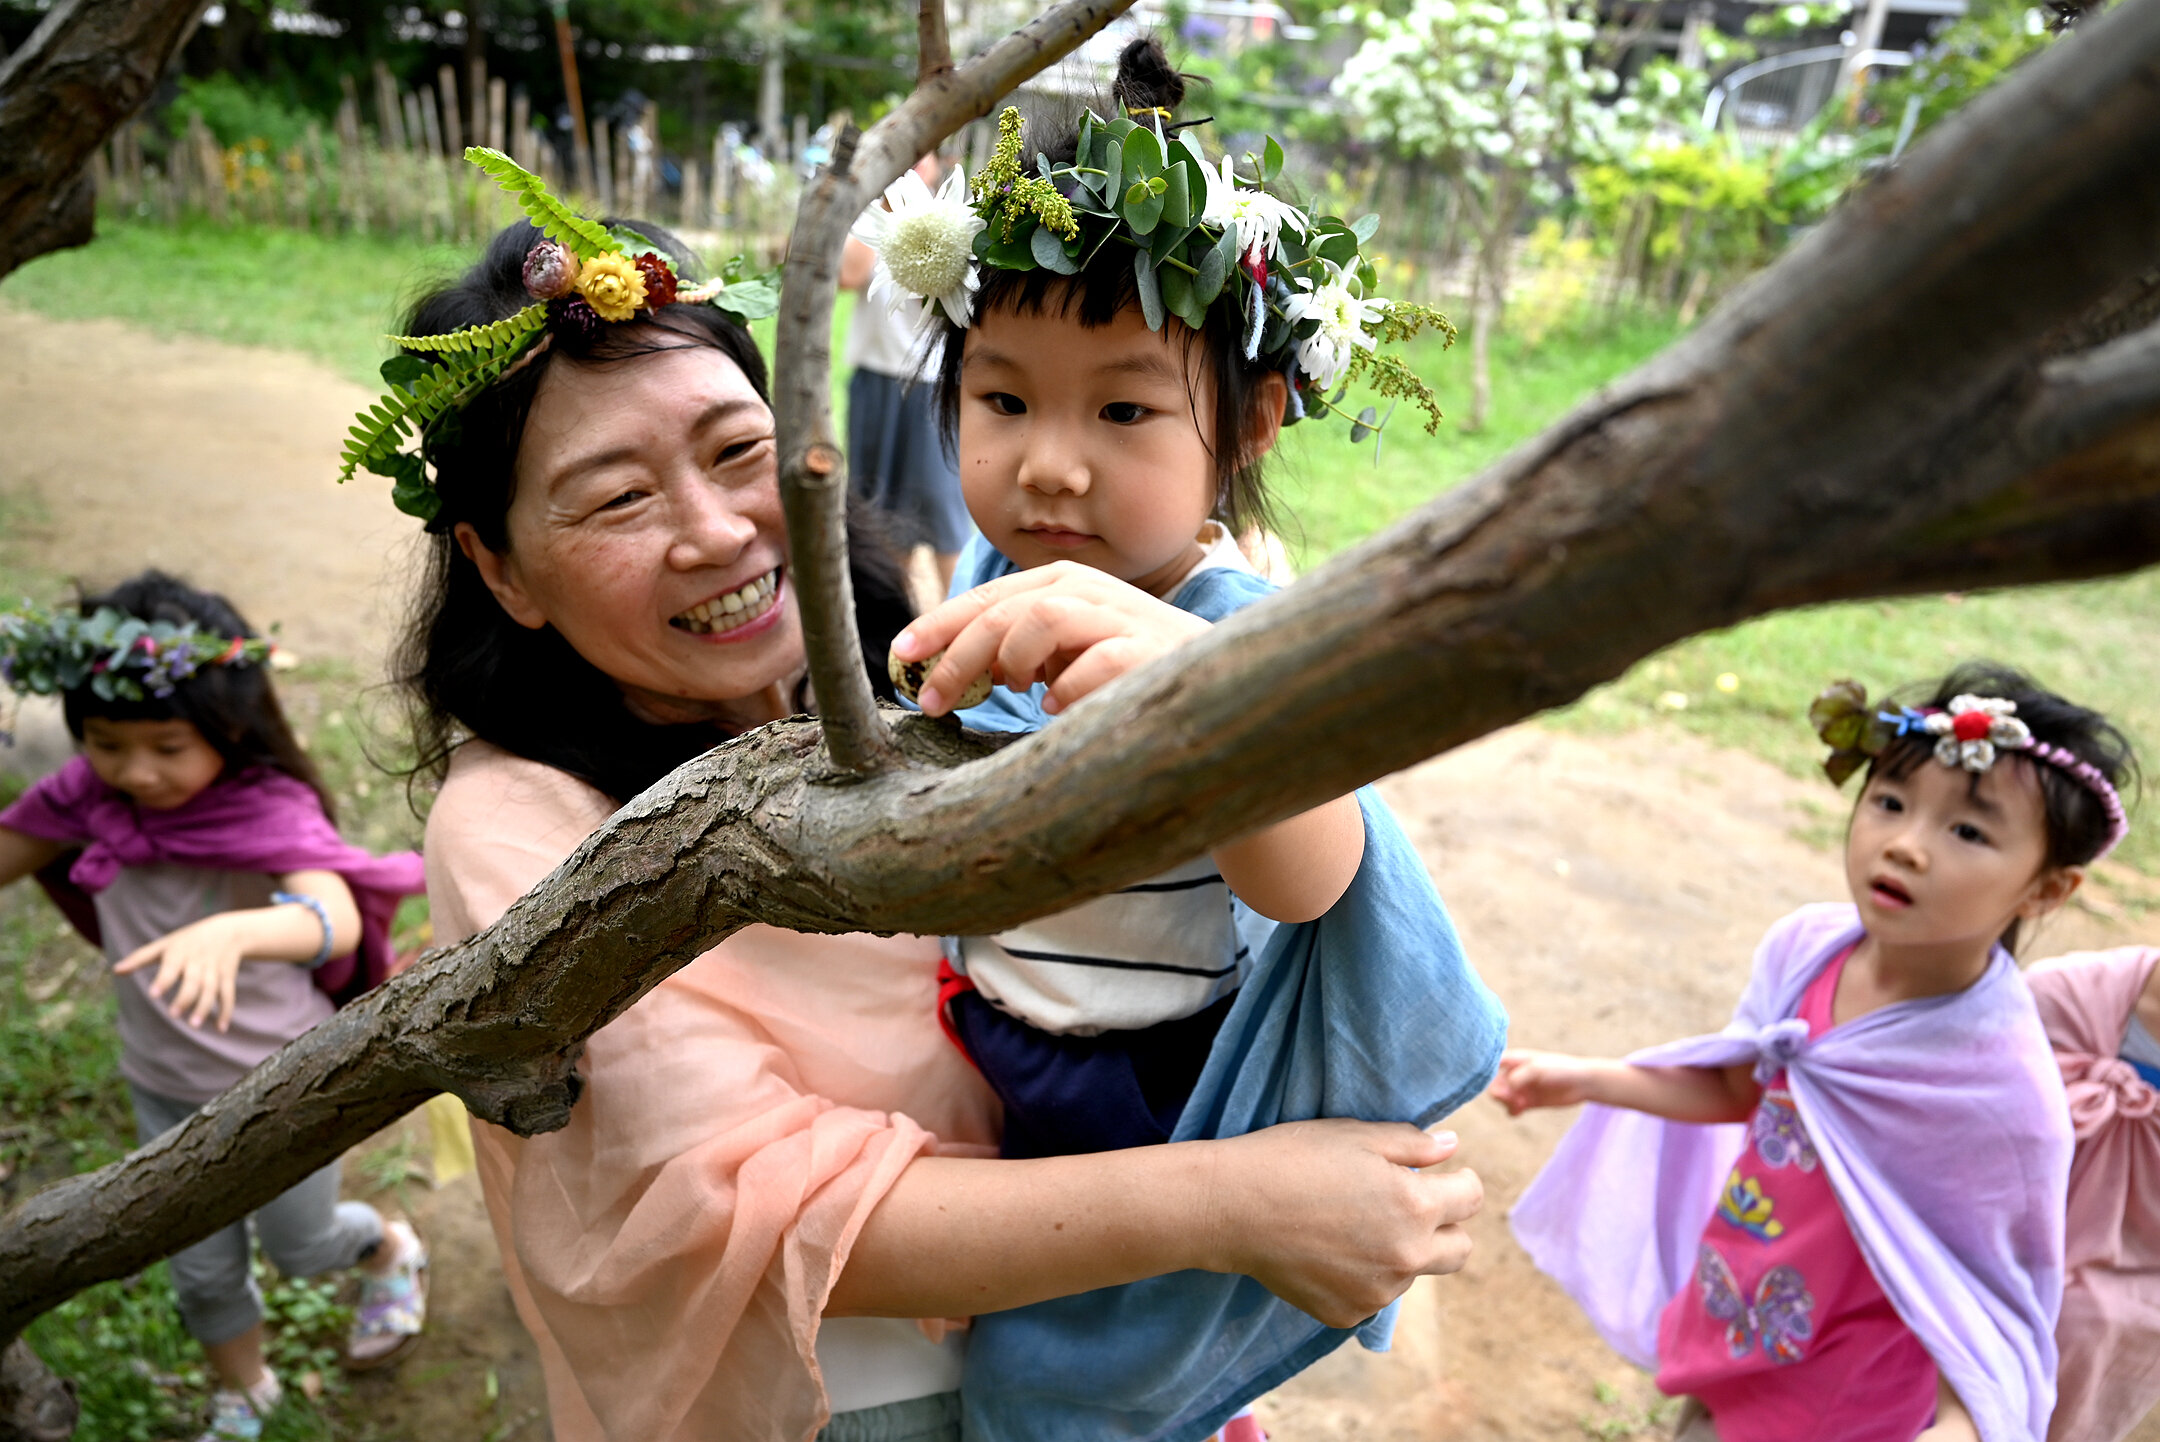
x=1778, y=1045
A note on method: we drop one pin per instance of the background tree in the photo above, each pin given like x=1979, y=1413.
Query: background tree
x=1498, y=94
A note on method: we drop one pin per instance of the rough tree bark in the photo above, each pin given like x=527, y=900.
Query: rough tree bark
x=1951, y=383
x=80, y=76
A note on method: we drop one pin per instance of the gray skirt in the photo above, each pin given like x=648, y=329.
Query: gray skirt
x=920, y=1419
x=897, y=460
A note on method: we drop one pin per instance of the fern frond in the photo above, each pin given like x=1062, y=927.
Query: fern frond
x=492, y=336
x=586, y=238
x=382, y=430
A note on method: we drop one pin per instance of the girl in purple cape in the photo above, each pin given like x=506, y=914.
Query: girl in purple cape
x=193, y=841
x=1842, y=1216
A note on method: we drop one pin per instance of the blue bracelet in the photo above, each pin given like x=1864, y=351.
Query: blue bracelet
x=322, y=914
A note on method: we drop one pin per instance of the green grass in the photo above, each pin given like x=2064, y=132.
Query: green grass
x=1333, y=491
x=332, y=297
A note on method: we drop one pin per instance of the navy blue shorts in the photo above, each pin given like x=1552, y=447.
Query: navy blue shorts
x=1067, y=1095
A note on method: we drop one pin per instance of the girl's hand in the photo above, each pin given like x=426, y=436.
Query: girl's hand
x=1531, y=1079
x=1332, y=1217
x=1065, y=624
x=199, y=964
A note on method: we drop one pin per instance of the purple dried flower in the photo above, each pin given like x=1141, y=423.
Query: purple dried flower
x=549, y=270
x=575, y=322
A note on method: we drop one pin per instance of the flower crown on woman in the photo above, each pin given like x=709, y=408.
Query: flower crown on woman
x=1201, y=236
x=582, y=276
x=118, y=656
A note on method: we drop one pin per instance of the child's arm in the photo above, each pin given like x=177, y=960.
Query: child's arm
x=1952, y=1422
x=1076, y=630
x=200, y=963
x=1530, y=1079
x=24, y=855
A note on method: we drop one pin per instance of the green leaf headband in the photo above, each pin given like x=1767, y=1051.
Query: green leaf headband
x=1201, y=236
x=118, y=656
x=582, y=277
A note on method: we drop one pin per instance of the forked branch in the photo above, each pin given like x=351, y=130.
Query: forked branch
x=813, y=469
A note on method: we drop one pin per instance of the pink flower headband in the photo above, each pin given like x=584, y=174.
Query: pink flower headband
x=1969, y=733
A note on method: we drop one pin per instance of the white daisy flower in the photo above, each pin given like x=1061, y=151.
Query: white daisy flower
x=924, y=244
x=1257, y=217
x=1343, y=317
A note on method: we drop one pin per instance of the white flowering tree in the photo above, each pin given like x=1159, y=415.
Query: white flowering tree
x=1498, y=94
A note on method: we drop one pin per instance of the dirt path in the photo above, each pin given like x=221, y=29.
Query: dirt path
x=1610, y=888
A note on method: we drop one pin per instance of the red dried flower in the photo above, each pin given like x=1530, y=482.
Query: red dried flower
x=1971, y=725
x=575, y=322
x=659, y=280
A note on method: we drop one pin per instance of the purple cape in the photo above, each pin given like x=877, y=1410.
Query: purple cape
x=1944, y=1129
x=261, y=820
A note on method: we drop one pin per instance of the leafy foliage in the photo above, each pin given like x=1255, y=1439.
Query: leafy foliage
x=1964, y=59
x=585, y=238
x=491, y=337
x=118, y=656
x=420, y=392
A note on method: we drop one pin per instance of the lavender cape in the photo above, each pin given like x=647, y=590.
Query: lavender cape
x=1942, y=1126
x=261, y=820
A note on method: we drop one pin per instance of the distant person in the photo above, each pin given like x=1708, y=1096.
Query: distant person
x=1842, y=1216
x=2102, y=1012
x=898, y=460
x=193, y=840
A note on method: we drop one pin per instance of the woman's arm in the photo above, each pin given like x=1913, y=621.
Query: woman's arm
x=1328, y=1215
x=200, y=963
x=1531, y=1079
x=24, y=855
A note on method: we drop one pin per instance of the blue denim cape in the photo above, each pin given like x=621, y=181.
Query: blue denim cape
x=1369, y=1012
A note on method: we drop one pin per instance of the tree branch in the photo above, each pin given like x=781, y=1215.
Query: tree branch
x=1878, y=413
x=813, y=472
x=933, y=47
x=83, y=72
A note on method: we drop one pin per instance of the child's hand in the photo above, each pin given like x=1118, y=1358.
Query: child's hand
x=199, y=964
x=1070, y=626
x=1530, y=1079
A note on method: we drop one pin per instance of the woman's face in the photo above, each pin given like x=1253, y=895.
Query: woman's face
x=646, y=528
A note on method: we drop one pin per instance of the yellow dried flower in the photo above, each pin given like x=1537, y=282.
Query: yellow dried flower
x=612, y=286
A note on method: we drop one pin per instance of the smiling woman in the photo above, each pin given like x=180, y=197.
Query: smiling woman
x=777, y=1161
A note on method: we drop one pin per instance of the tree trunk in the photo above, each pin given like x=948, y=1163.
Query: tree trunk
x=1488, y=291
x=1918, y=397
x=83, y=72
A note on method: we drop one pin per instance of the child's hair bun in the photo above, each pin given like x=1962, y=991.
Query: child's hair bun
x=1145, y=79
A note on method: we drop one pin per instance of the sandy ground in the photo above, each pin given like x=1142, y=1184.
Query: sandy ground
x=1610, y=888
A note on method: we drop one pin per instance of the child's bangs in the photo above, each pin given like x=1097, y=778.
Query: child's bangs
x=1093, y=297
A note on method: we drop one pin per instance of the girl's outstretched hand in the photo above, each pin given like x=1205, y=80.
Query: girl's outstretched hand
x=199, y=964
x=1065, y=624
x=1530, y=1079
x=1334, y=1218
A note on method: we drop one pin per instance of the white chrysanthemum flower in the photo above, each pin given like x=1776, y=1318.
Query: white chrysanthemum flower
x=1343, y=317
x=1973, y=728
x=1257, y=217
x=924, y=244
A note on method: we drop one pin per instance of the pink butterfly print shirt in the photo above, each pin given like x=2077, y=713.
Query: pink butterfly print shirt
x=1785, y=1334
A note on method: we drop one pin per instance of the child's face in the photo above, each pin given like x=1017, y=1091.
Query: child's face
x=1080, y=444
x=1934, y=859
x=162, y=764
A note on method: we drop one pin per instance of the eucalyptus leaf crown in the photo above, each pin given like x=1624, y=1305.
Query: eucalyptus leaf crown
x=1202, y=236
x=119, y=657
x=582, y=276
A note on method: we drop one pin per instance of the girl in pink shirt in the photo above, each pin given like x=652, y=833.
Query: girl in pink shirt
x=1877, y=1256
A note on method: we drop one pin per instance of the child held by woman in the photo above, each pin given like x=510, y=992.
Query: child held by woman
x=1875, y=1251
x=1114, y=373
x=194, y=842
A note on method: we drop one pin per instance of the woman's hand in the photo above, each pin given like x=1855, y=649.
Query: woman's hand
x=1327, y=1215
x=1065, y=624
x=199, y=964
x=1332, y=1217
x=1532, y=1079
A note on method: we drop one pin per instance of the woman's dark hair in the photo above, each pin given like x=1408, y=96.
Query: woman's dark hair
x=1105, y=286
x=2077, y=821
x=234, y=707
x=467, y=668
